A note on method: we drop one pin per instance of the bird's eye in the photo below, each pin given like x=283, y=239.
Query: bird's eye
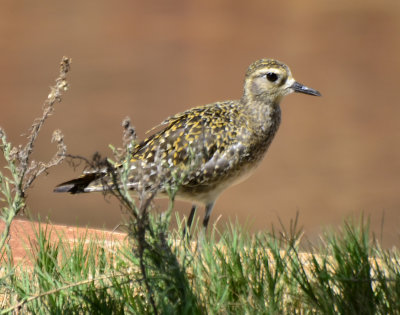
x=272, y=77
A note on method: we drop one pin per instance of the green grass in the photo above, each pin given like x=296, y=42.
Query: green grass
x=238, y=274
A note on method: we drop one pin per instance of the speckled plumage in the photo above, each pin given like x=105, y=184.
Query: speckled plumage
x=215, y=145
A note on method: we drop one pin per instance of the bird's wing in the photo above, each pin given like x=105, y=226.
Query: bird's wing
x=195, y=147
x=198, y=145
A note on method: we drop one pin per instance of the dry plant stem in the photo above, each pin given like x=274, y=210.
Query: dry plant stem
x=48, y=108
x=140, y=222
x=23, y=171
x=117, y=182
x=142, y=226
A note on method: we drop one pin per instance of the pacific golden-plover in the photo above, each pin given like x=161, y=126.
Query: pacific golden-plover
x=226, y=140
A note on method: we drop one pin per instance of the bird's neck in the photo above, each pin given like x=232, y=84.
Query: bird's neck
x=263, y=112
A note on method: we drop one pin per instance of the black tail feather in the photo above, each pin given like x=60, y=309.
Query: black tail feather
x=78, y=185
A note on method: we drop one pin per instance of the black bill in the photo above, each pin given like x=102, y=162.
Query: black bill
x=300, y=88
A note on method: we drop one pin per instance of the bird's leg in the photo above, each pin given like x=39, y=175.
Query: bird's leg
x=191, y=217
x=186, y=230
x=209, y=208
x=202, y=233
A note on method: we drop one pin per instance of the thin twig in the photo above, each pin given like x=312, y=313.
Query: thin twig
x=53, y=97
x=23, y=172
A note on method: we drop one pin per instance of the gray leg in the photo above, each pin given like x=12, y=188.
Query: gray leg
x=191, y=217
x=209, y=208
x=189, y=221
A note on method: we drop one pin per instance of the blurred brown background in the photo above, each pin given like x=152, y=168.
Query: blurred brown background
x=333, y=157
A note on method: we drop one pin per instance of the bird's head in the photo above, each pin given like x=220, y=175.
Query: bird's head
x=270, y=80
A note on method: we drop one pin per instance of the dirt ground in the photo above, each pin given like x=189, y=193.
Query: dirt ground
x=23, y=235
x=334, y=157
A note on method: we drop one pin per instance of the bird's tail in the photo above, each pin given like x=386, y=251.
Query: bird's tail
x=86, y=183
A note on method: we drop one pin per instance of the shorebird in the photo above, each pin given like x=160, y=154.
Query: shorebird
x=210, y=147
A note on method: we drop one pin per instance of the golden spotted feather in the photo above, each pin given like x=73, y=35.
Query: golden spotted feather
x=205, y=145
